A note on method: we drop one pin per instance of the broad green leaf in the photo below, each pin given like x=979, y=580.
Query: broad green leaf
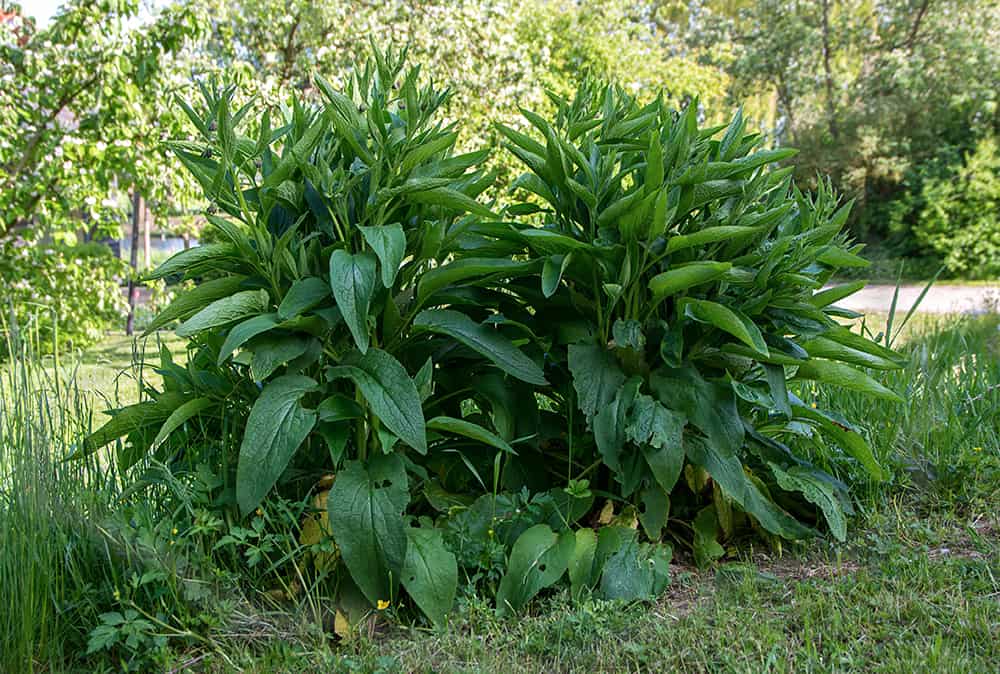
x=779, y=388
x=224, y=311
x=352, y=279
x=189, y=303
x=389, y=392
x=706, y=532
x=657, y=431
x=654, y=510
x=709, y=235
x=837, y=257
x=848, y=439
x=339, y=407
x=484, y=340
x=179, y=417
x=844, y=376
x=389, y=244
x=817, y=492
x=123, y=422
x=627, y=576
x=469, y=430
x=680, y=279
x=271, y=352
x=552, y=272
x=193, y=258
x=844, y=336
x=727, y=470
x=430, y=573
x=727, y=320
x=830, y=295
x=821, y=347
x=242, y=332
x=538, y=559
x=596, y=377
x=581, y=564
x=609, y=426
x=468, y=269
x=451, y=199
x=551, y=243
x=304, y=294
x=277, y=425
x=365, y=508
x=710, y=406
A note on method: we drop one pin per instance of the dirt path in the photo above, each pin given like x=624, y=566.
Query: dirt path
x=941, y=299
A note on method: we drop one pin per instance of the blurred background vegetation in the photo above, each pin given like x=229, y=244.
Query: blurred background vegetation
x=895, y=100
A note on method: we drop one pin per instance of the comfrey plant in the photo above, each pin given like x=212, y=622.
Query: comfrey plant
x=468, y=382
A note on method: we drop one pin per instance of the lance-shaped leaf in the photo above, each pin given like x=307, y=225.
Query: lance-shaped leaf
x=178, y=418
x=242, y=332
x=389, y=244
x=224, y=311
x=277, y=425
x=365, y=508
x=469, y=430
x=352, y=279
x=304, y=294
x=486, y=341
x=430, y=573
x=390, y=393
x=728, y=320
x=596, y=377
x=189, y=303
x=538, y=559
x=844, y=376
x=727, y=470
x=818, y=492
x=657, y=431
x=680, y=279
x=192, y=259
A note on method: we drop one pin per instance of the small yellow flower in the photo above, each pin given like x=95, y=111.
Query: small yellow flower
x=382, y=604
x=173, y=532
x=260, y=512
x=977, y=449
x=814, y=405
x=171, y=542
x=118, y=595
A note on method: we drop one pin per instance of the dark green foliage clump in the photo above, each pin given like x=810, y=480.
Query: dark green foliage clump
x=552, y=389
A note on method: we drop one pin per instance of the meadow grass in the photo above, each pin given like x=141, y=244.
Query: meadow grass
x=46, y=506
x=914, y=589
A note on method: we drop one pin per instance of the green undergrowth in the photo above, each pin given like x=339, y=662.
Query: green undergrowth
x=913, y=589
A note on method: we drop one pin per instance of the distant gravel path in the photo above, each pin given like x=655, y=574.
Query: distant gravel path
x=941, y=299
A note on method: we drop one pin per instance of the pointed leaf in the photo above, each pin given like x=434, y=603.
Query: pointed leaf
x=389, y=244
x=430, y=573
x=484, y=340
x=389, y=392
x=277, y=425
x=352, y=279
x=365, y=508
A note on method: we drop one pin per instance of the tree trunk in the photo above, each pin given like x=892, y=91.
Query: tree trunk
x=147, y=225
x=831, y=109
x=133, y=289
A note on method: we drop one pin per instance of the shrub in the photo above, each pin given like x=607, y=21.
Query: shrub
x=453, y=388
x=960, y=219
x=73, y=292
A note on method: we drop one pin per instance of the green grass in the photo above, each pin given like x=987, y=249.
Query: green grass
x=915, y=588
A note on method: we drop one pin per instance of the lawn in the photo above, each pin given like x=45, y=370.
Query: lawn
x=915, y=588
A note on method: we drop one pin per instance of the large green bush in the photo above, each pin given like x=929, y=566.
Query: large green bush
x=471, y=381
x=50, y=293
x=960, y=219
